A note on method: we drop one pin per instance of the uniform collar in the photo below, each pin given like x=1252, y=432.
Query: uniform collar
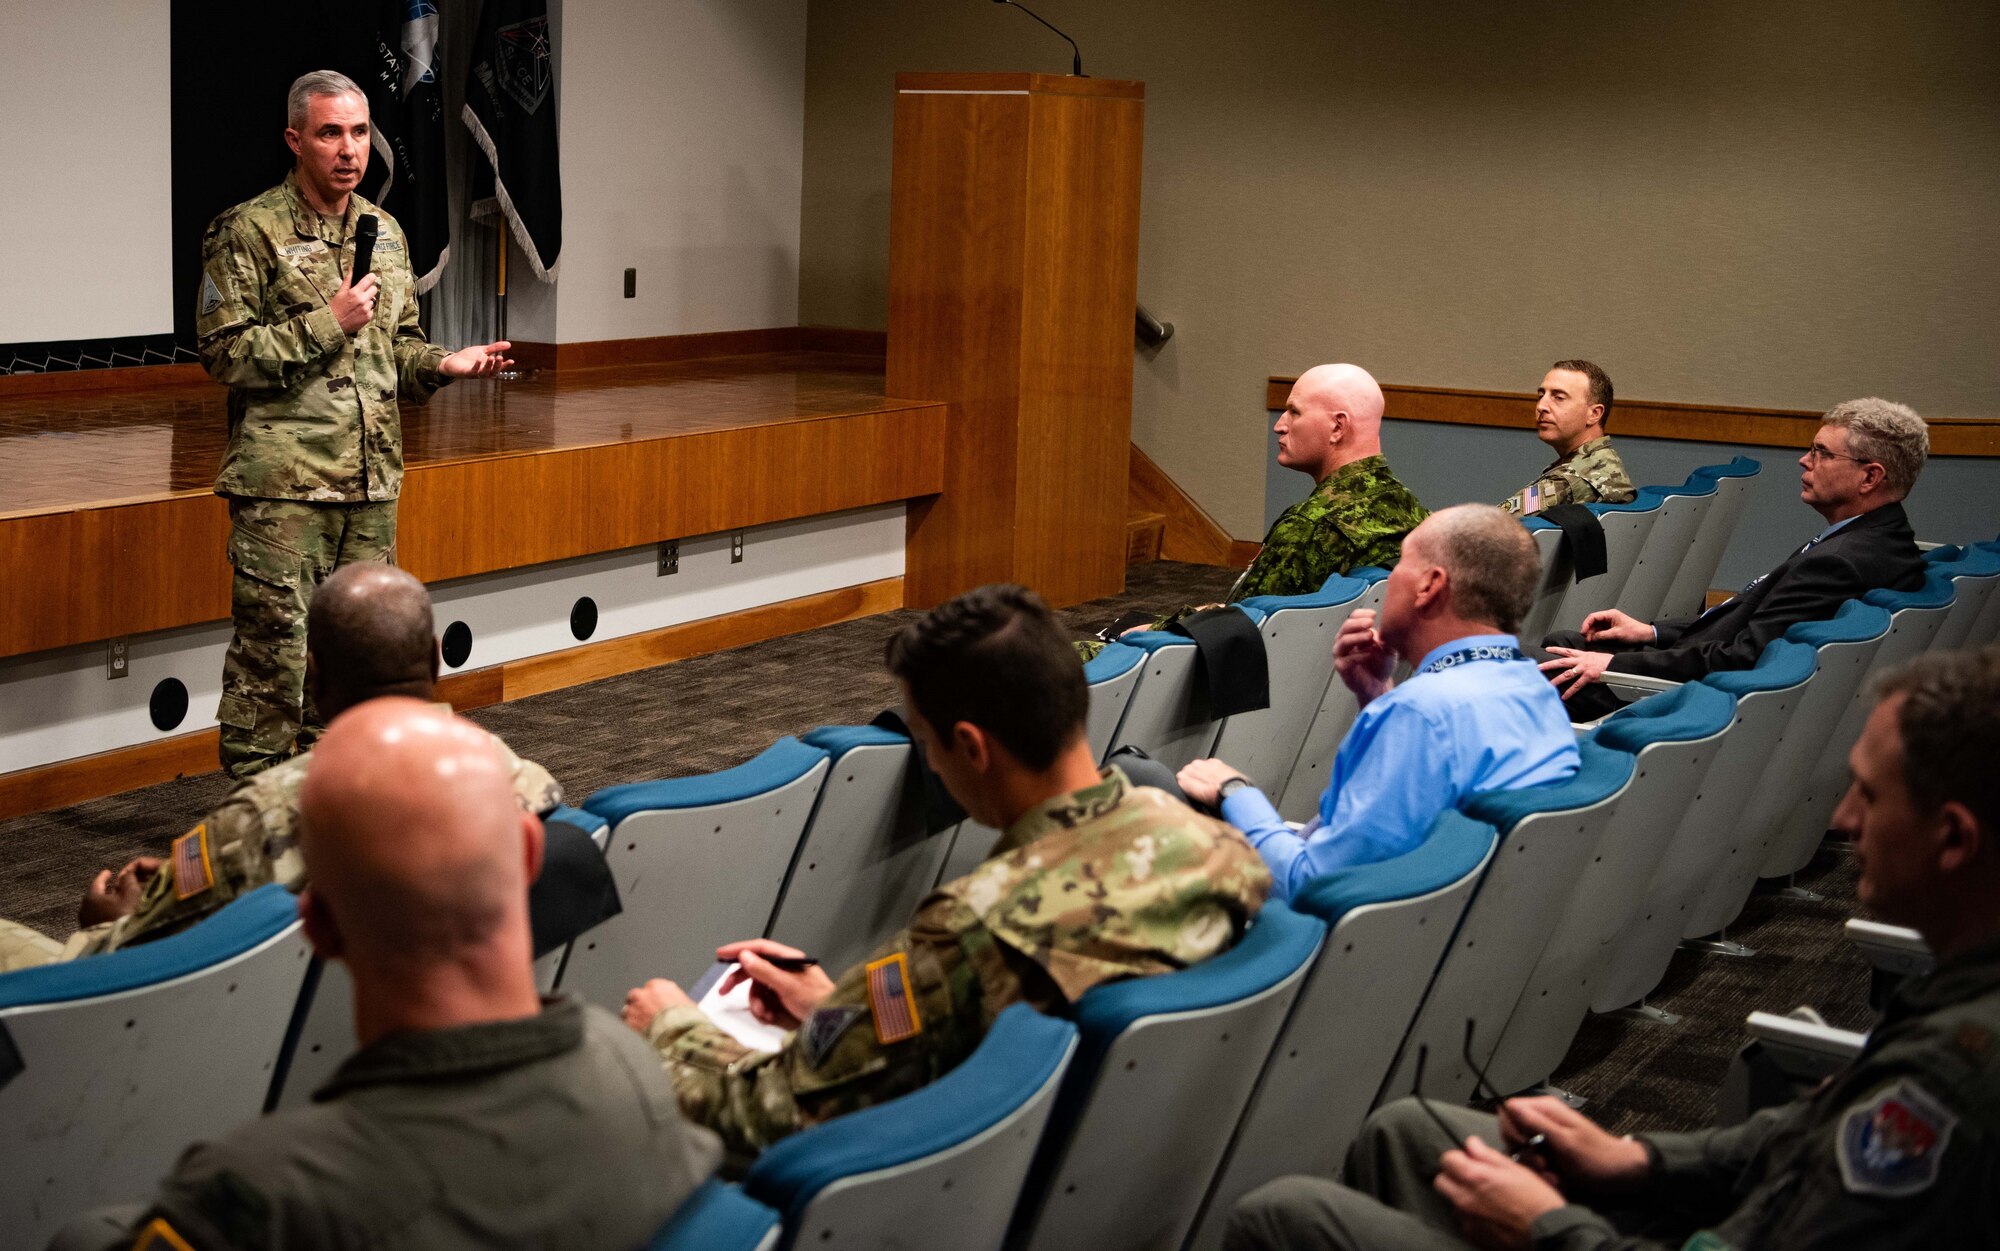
x=306, y=220
x=434, y=1055
x=1355, y=470
x=1965, y=976
x=1584, y=449
x=1065, y=811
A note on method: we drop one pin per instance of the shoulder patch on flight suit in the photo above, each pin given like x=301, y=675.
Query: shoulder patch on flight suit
x=158, y=1235
x=824, y=1028
x=1893, y=1144
x=211, y=295
x=194, y=869
x=891, y=1000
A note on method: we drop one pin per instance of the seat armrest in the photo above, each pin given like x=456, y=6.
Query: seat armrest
x=1631, y=686
x=1821, y=1047
x=1924, y=545
x=1891, y=948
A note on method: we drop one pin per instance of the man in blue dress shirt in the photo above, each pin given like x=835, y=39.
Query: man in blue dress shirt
x=1475, y=716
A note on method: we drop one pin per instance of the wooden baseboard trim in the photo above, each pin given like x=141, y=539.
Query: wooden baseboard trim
x=1192, y=535
x=844, y=339
x=189, y=755
x=1653, y=419
x=124, y=378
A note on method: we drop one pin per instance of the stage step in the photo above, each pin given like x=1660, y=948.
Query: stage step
x=1144, y=533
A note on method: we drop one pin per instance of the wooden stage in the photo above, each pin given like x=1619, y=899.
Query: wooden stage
x=108, y=526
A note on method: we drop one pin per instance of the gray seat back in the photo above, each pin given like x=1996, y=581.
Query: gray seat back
x=1551, y=587
x=1625, y=529
x=1298, y=646
x=1167, y=716
x=1112, y=675
x=1689, y=590
x=1681, y=515
x=866, y=860
x=128, y=1058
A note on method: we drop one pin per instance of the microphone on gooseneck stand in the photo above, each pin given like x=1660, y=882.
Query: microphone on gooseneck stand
x=365, y=227
x=1076, y=54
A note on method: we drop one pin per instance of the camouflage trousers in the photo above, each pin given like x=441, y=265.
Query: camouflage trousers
x=24, y=948
x=281, y=551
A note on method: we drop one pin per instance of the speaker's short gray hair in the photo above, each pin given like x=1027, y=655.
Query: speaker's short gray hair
x=317, y=83
x=1888, y=433
x=1489, y=561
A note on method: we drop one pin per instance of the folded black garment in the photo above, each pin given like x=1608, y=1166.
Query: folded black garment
x=575, y=891
x=1234, y=670
x=939, y=810
x=1583, y=533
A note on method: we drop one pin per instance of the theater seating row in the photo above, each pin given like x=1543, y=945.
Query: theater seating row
x=1140, y=1121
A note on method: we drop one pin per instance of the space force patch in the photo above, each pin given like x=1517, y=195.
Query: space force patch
x=1894, y=1144
x=211, y=295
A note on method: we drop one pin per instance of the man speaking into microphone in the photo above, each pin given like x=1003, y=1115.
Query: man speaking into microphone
x=316, y=344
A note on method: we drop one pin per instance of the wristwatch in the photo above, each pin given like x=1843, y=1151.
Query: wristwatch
x=1229, y=788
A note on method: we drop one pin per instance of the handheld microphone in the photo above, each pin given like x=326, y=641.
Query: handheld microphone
x=1076, y=54
x=365, y=227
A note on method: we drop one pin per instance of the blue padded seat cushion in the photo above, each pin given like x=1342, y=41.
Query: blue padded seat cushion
x=1279, y=941
x=1784, y=664
x=716, y=1217
x=1855, y=622
x=1150, y=641
x=1603, y=773
x=1454, y=846
x=1936, y=592
x=1939, y=555
x=1739, y=467
x=1338, y=589
x=784, y=761
x=1696, y=484
x=1114, y=660
x=1645, y=501
x=1367, y=573
x=1690, y=711
x=1973, y=562
x=246, y=922
x=1014, y=1060
x=588, y=822
x=838, y=740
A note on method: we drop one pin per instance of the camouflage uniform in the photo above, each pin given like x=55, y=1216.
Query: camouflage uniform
x=315, y=458
x=1356, y=517
x=1108, y=882
x=1592, y=474
x=250, y=840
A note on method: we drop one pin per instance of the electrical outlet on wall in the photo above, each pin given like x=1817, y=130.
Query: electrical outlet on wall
x=631, y=283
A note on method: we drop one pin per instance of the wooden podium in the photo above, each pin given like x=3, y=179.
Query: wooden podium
x=1013, y=276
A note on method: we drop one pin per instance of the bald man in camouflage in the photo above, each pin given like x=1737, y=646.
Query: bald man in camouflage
x=1357, y=513
x=315, y=364
x=371, y=636
x=1093, y=880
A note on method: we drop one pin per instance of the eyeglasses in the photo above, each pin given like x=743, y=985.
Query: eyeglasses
x=1819, y=452
x=1482, y=1088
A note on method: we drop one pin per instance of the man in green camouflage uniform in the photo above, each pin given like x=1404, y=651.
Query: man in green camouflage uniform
x=1094, y=880
x=371, y=637
x=1572, y=407
x=1358, y=512
x=314, y=365
x=1899, y=1149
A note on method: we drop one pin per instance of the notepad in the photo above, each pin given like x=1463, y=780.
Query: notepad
x=731, y=1012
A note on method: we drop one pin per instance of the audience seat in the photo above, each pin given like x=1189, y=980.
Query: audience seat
x=1975, y=573
x=1682, y=511
x=1547, y=835
x=1551, y=584
x=1914, y=619
x=1689, y=589
x=939, y=1167
x=699, y=861
x=549, y=966
x=1389, y=923
x=719, y=1217
x=1985, y=628
x=1111, y=675
x=1168, y=716
x=1297, y=796
x=866, y=859
x=1163, y=1069
x=1626, y=527
x=1674, y=738
x=126, y=1058
x=1298, y=646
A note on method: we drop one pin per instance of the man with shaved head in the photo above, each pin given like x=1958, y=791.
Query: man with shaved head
x=1476, y=715
x=369, y=634
x=474, y=1114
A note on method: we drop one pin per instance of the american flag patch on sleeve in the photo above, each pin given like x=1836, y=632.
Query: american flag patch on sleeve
x=889, y=998
x=193, y=871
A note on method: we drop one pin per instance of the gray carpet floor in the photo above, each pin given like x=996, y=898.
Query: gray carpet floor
x=715, y=711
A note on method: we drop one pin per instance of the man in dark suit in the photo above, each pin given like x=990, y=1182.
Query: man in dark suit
x=1862, y=463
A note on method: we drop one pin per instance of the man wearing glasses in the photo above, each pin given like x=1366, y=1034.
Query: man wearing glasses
x=1862, y=463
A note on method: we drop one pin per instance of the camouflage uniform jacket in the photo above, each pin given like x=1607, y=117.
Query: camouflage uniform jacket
x=312, y=412
x=1357, y=516
x=250, y=840
x=1592, y=474
x=1109, y=882
x=1900, y=1149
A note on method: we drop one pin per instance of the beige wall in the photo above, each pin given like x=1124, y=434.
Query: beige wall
x=1775, y=203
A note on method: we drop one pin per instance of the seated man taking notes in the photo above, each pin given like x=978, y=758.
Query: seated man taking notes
x=1093, y=880
x=1475, y=716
